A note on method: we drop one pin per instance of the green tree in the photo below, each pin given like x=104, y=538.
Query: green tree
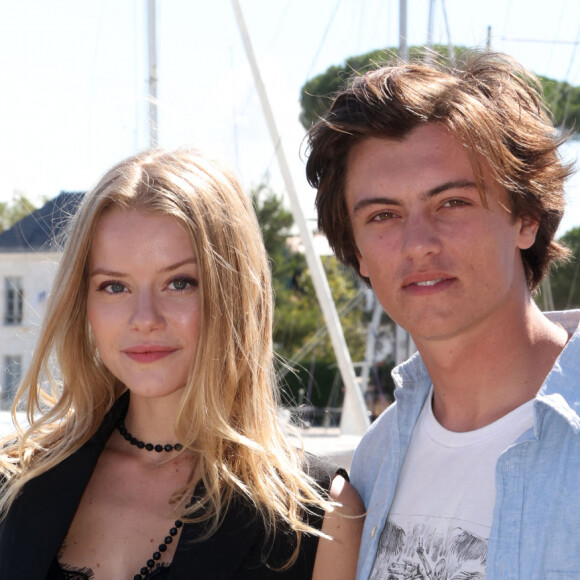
x=11, y=212
x=298, y=316
x=306, y=344
x=300, y=334
x=287, y=266
x=303, y=317
x=563, y=100
x=317, y=93
x=565, y=279
x=294, y=319
x=275, y=221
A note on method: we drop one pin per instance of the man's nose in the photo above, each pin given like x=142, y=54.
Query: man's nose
x=420, y=237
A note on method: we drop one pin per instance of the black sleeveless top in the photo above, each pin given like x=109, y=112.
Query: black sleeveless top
x=64, y=572
x=240, y=549
x=320, y=470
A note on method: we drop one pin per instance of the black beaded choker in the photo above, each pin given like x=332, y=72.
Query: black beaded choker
x=141, y=444
x=178, y=523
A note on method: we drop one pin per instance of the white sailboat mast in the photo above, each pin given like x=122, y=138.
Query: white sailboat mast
x=429, y=52
x=403, y=46
x=355, y=418
x=152, y=45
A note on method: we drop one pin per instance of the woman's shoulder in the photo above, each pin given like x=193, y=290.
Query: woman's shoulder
x=322, y=470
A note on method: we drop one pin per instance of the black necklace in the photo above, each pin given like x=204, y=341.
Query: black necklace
x=157, y=555
x=141, y=444
x=178, y=523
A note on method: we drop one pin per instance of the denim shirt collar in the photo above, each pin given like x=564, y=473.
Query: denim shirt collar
x=558, y=392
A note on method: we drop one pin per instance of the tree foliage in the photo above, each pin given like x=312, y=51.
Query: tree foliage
x=293, y=321
x=565, y=280
x=563, y=100
x=11, y=212
x=300, y=334
x=302, y=316
x=317, y=93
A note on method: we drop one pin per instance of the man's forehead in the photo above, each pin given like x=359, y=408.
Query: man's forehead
x=430, y=157
x=428, y=144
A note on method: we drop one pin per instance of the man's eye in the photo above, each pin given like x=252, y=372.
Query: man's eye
x=383, y=216
x=454, y=203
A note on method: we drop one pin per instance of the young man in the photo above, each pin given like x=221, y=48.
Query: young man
x=444, y=190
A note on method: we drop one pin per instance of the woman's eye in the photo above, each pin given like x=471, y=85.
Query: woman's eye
x=112, y=287
x=182, y=283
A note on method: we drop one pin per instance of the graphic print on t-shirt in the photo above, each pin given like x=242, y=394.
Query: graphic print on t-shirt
x=432, y=548
x=441, y=516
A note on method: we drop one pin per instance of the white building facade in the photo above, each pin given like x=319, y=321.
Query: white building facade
x=28, y=263
x=26, y=281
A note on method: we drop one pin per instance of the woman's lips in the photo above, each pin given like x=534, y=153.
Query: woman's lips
x=147, y=354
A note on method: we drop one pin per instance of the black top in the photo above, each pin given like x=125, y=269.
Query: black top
x=38, y=521
x=58, y=572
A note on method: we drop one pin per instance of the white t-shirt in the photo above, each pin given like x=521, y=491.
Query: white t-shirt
x=439, y=523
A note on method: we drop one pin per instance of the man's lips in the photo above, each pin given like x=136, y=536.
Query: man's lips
x=426, y=281
x=145, y=354
x=430, y=282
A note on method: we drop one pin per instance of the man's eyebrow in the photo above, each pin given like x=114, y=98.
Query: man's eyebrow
x=171, y=267
x=457, y=184
x=373, y=201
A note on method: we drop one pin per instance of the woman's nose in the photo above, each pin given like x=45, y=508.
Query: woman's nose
x=146, y=315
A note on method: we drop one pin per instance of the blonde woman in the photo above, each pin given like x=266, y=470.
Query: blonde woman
x=153, y=449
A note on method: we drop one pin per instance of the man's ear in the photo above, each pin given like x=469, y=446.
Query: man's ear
x=528, y=230
x=361, y=264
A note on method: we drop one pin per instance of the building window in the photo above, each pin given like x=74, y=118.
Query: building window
x=12, y=377
x=14, y=304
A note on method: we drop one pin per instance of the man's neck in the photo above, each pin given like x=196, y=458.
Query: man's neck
x=481, y=377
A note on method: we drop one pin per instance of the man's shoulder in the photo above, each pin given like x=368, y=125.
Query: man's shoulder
x=564, y=378
x=569, y=319
x=370, y=452
x=380, y=427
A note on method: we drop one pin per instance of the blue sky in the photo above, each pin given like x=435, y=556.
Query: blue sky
x=74, y=98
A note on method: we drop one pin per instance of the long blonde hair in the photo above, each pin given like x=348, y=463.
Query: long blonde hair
x=227, y=412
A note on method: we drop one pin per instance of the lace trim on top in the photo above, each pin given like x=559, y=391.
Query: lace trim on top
x=61, y=571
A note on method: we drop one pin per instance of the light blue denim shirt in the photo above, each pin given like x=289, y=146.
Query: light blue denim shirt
x=536, y=521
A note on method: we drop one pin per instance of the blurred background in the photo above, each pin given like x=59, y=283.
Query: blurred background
x=74, y=96
x=75, y=99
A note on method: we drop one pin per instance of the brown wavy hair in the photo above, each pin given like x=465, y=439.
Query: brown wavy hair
x=491, y=104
